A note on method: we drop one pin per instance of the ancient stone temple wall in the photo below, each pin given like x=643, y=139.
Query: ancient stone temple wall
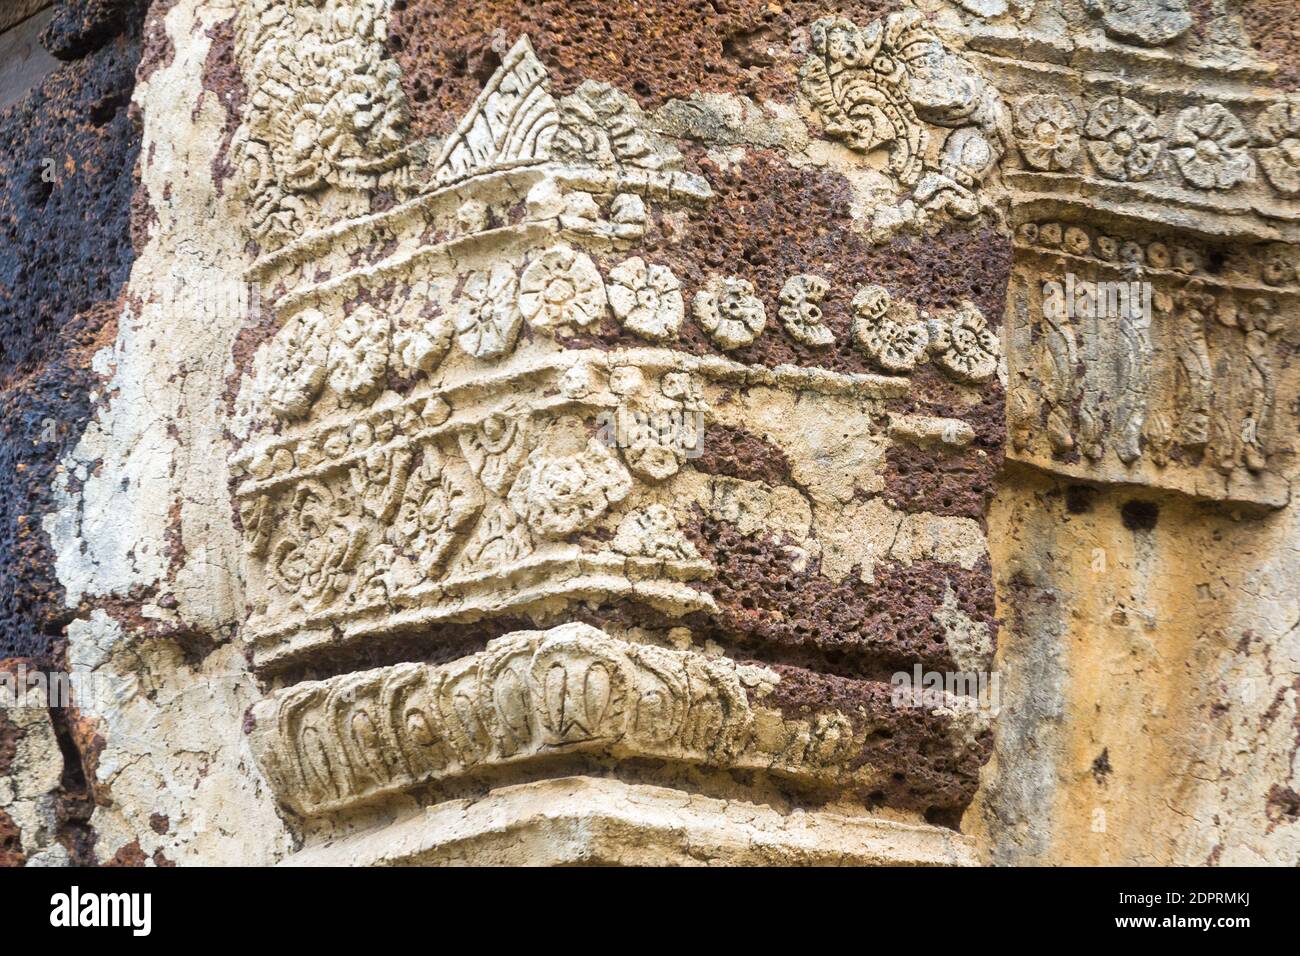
x=636, y=435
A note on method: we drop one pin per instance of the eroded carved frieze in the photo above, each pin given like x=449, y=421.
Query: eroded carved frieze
x=488, y=399
x=895, y=86
x=531, y=696
x=326, y=110
x=1135, y=362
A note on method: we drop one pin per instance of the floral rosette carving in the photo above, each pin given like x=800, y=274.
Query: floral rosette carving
x=1209, y=145
x=647, y=299
x=1123, y=139
x=885, y=332
x=488, y=317
x=652, y=532
x=1277, y=133
x=559, y=495
x=801, y=312
x=1047, y=132
x=298, y=365
x=420, y=345
x=440, y=502
x=315, y=561
x=359, y=354
x=561, y=290
x=965, y=347
x=729, y=312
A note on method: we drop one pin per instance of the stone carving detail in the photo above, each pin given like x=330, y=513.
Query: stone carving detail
x=1195, y=377
x=1271, y=265
x=1277, y=132
x=801, y=312
x=327, y=109
x=892, y=85
x=1133, y=381
x=647, y=299
x=898, y=338
x=964, y=346
x=439, y=503
x=420, y=341
x=314, y=562
x=730, y=312
x=892, y=336
x=416, y=458
x=299, y=365
x=601, y=126
x=557, y=496
x=1123, y=139
x=653, y=533
x=1241, y=426
x=359, y=354
x=1208, y=143
x=488, y=320
x=1170, y=384
x=1047, y=132
x=512, y=121
x=1204, y=146
x=562, y=290
x=329, y=745
x=1144, y=22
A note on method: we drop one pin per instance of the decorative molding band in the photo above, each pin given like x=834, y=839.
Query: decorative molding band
x=327, y=746
x=589, y=821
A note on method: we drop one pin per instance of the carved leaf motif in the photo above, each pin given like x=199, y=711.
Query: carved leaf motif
x=440, y=502
x=601, y=126
x=582, y=689
x=499, y=539
x=380, y=481
x=512, y=122
x=315, y=560
x=859, y=94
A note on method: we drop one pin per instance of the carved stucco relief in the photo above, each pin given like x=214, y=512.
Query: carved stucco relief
x=419, y=443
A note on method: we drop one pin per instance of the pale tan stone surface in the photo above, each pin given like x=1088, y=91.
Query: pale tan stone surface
x=1149, y=685
x=591, y=821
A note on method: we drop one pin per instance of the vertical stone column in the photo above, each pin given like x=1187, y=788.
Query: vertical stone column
x=580, y=473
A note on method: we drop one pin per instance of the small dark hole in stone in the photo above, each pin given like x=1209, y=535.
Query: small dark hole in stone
x=1078, y=499
x=1139, y=515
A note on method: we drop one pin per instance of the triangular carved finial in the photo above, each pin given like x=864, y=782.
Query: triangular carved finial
x=512, y=122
